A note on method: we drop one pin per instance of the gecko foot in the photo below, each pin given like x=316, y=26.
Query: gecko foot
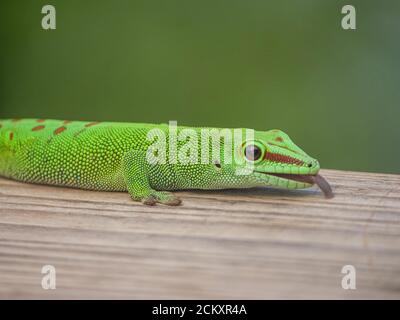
x=162, y=197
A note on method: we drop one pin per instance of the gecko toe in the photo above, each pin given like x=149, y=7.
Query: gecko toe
x=162, y=197
x=167, y=198
x=172, y=202
x=149, y=201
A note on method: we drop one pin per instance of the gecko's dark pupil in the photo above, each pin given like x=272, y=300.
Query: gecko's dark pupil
x=252, y=152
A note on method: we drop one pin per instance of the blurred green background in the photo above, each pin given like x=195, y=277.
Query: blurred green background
x=258, y=63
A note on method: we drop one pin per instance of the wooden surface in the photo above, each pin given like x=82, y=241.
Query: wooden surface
x=251, y=244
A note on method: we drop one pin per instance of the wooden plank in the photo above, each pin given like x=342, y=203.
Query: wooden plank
x=257, y=243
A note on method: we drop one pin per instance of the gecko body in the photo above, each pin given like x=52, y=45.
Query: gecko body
x=112, y=156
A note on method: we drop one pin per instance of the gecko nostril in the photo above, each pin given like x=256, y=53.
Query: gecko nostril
x=310, y=165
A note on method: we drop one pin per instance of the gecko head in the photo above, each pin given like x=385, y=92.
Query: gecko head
x=273, y=159
x=264, y=158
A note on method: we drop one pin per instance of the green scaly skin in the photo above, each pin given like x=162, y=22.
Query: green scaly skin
x=112, y=157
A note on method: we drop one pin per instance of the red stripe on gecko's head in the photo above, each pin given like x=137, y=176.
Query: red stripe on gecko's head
x=276, y=157
x=59, y=130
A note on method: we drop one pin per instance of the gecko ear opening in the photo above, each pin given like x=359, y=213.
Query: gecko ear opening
x=217, y=164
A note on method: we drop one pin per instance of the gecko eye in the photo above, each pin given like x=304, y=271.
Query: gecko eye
x=252, y=152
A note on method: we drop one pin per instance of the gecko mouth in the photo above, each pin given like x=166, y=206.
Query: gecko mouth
x=308, y=178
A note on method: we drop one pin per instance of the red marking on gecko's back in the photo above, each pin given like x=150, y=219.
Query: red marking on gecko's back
x=276, y=157
x=11, y=135
x=90, y=124
x=279, y=139
x=37, y=128
x=40, y=120
x=59, y=130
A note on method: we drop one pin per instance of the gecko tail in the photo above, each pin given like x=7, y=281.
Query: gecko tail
x=6, y=138
x=5, y=152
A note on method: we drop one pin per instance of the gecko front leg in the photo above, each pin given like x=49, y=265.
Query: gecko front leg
x=136, y=174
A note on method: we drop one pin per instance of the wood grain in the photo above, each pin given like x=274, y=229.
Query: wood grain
x=250, y=244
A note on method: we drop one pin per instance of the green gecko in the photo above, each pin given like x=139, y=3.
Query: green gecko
x=112, y=156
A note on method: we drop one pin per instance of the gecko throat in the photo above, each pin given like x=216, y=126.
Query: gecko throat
x=307, y=178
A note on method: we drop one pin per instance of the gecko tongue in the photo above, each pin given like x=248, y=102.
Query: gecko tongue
x=311, y=179
x=323, y=185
